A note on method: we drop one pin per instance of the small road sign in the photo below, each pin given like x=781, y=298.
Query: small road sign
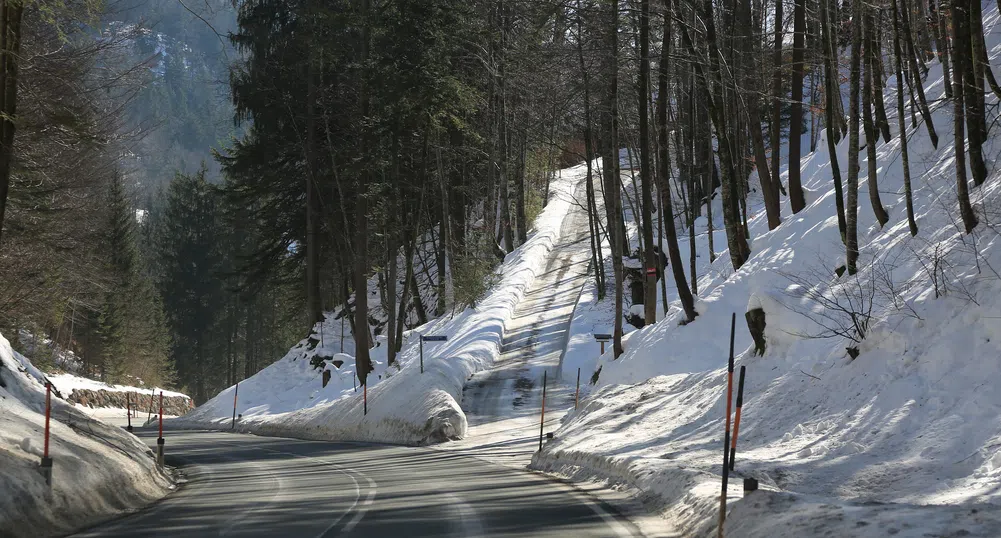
x=428, y=338
x=602, y=337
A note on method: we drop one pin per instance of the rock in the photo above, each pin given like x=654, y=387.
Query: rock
x=756, y=325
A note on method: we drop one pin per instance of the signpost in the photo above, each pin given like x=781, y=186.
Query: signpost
x=602, y=338
x=429, y=338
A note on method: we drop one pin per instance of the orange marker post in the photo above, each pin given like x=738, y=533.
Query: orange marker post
x=736, y=420
x=46, y=466
x=726, y=435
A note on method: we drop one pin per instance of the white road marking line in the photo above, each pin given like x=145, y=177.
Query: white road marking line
x=238, y=519
x=470, y=525
x=347, y=471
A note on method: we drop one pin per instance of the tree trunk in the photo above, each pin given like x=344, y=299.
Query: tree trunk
x=664, y=186
x=960, y=18
x=832, y=94
x=916, y=82
x=313, y=305
x=777, y=96
x=646, y=176
x=868, y=96
x=902, y=122
x=10, y=58
x=750, y=100
x=610, y=167
x=796, y=199
x=855, y=76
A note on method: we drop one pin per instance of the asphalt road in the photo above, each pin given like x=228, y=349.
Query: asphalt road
x=243, y=485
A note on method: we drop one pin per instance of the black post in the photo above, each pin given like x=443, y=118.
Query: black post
x=736, y=422
x=542, y=421
x=422, y=353
x=576, y=395
x=235, y=394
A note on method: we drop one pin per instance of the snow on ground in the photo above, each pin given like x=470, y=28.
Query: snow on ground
x=66, y=383
x=904, y=440
x=404, y=406
x=98, y=470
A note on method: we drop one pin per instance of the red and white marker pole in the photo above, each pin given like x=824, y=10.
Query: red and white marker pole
x=46, y=465
x=159, y=440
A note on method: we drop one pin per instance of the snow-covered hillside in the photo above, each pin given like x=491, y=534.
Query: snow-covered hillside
x=404, y=406
x=98, y=469
x=904, y=440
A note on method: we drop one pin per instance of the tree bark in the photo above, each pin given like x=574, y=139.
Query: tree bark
x=796, y=200
x=868, y=96
x=646, y=179
x=960, y=17
x=851, y=213
x=664, y=186
x=902, y=122
x=832, y=95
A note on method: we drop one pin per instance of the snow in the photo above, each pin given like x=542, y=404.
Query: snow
x=404, y=406
x=99, y=470
x=66, y=383
x=903, y=440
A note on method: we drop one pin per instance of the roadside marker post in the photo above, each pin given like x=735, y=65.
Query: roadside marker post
x=365, y=396
x=736, y=420
x=159, y=440
x=726, y=436
x=128, y=410
x=429, y=338
x=602, y=338
x=576, y=395
x=152, y=395
x=45, y=467
x=542, y=421
x=235, y=394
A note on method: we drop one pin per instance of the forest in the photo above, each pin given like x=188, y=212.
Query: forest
x=186, y=189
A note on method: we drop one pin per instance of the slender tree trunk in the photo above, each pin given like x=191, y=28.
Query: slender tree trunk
x=874, y=56
x=777, y=96
x=610, y=167
x=664, y=186
x=902, y=122
x=868, y=124
x=832, y=94
x=973, y=84
x=768, y=189
x=520, y=216
x=941, y=14
x=646, y=175
x=959, y=18
x=363, y=363
x=851, y=214
x=916, y=82
x=736, y=238
x=796, y=199
x=10, y=59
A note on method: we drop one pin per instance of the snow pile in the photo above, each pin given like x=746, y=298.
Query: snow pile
x=98, y=469
x=404, y=406
x=904, y=440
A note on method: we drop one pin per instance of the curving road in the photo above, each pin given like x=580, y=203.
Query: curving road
x=242, y=485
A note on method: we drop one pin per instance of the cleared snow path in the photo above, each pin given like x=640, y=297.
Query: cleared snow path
x=503, y=404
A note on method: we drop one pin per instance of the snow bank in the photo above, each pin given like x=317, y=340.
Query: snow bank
x=98, y=470
x=404, y=406
x=911, y=424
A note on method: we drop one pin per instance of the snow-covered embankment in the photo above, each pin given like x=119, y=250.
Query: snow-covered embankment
x=98, y=469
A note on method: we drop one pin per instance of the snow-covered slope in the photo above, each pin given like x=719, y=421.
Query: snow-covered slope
x=98, y=469
x=903, y=440
x=404, y=406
